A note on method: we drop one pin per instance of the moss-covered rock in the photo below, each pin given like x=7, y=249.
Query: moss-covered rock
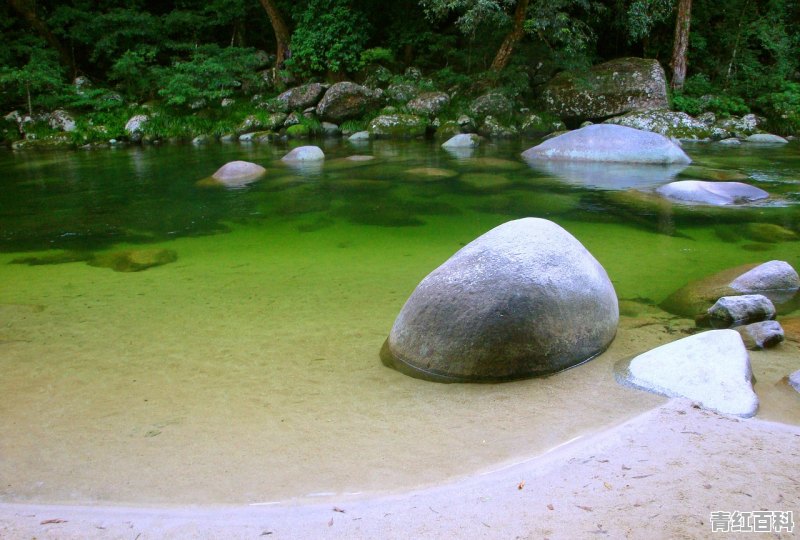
x=608, y=89
x=301, y=97
x=492, y=128
x=298, y=131
x=678, y=125
x=57, y=141
x=259, y=123
x=536, y=124
x=428, y=104
x=491, y=104
x=398, y=126
x=346, y=100
x=447, y=130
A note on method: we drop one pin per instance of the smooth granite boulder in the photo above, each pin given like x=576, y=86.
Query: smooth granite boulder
x=238, y=173
x=712, y=193
x=522, y=300
x=345, y=100
x=305, y=153
x=463, y=140
x=742, y=309
x=300, y=97
x=766, y=138
x=609, y=143
x=712, y=368
x=761, y=335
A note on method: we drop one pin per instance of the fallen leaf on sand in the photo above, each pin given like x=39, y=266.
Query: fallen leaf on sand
x=550, y=507
x=337, y=509
x=587, y=508
x=521, y=485
x=330, y=523
x=607, y=485
x=55, y=520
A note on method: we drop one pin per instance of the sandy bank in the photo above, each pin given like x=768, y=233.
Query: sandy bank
x=656, y=476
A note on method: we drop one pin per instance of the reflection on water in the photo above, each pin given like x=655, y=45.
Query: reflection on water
x=247, y=370
x=611, y=176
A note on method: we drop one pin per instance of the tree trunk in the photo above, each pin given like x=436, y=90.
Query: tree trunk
x=27, y=11
x=680, y=46
x=281, y=31
x=517, y=31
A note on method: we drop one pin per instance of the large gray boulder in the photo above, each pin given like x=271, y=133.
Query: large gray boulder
x=238, y=173
x=491, y=104
x=605, y=142
x=345, y=100
x=712, y=368
x=608, y=176
x=301, y=97
x=766, y=138
x=463, y=140
x=776, y=280
x=134, y=127
x=608, y=89
x=761, y=335
x=522, y=300
x=712, y=193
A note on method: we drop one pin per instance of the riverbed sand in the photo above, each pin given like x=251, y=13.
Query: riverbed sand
x=659, y=475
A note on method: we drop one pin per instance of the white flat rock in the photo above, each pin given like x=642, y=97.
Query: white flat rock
x=305, y=153
x=712, y=368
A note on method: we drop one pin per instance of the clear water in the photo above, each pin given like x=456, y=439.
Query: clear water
x=247, y=371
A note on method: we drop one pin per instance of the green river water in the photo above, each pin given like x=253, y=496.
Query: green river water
x=247, y=371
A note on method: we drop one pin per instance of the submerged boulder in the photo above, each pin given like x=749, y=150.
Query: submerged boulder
x=776, y=280
x=463, y=140
x=712, y=368
x=606, y=142
x=134, y=260
x=238, y=173
x=766, y=138
x=522, y=300
x=714, y=193
x=742, y=309
x=761, y=335
x=608, y=89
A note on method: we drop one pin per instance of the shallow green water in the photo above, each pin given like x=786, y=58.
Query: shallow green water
x=247, y=370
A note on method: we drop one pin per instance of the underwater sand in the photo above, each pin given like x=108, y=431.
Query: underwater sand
x=247, y=372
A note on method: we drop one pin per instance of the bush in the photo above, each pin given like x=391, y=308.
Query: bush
x=782, y=109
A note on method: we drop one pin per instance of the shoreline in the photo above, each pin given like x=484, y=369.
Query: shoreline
x=664, y=470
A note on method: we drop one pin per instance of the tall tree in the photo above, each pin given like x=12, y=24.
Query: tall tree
x=680, y=47
x=281, y=30
x=512, y=38
x=27, y=10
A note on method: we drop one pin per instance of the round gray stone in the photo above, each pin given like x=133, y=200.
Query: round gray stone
x=522, y=300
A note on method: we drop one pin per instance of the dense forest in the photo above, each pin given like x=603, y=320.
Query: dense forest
x=107, y=57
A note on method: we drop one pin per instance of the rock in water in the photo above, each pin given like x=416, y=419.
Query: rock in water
x=134, y=260
x=522, y=300
x=776, y=280
x=238, y=173
x=608, y=142
x=742, y=309
x=714, y=193
x=305, y=153
x=761, y=335
x=712, y=368
x=463, y=140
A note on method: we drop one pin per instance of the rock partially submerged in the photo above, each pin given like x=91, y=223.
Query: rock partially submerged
x=766, y=138
x=713, y=193
x=712, y=368
x=608, y=176
x=522, y=300
x=742, y=309
x=609, y=143
x=238, y=173
x=305, y=153
x=776, y=280
x=463, y=140
x=761, y=335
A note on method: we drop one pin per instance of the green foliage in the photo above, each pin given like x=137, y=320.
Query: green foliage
x=37, y=81
x=782, y=109
x=377, y=55
x=209, y=73
x=135, y=71
x=642, y=15
x=330, y=37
